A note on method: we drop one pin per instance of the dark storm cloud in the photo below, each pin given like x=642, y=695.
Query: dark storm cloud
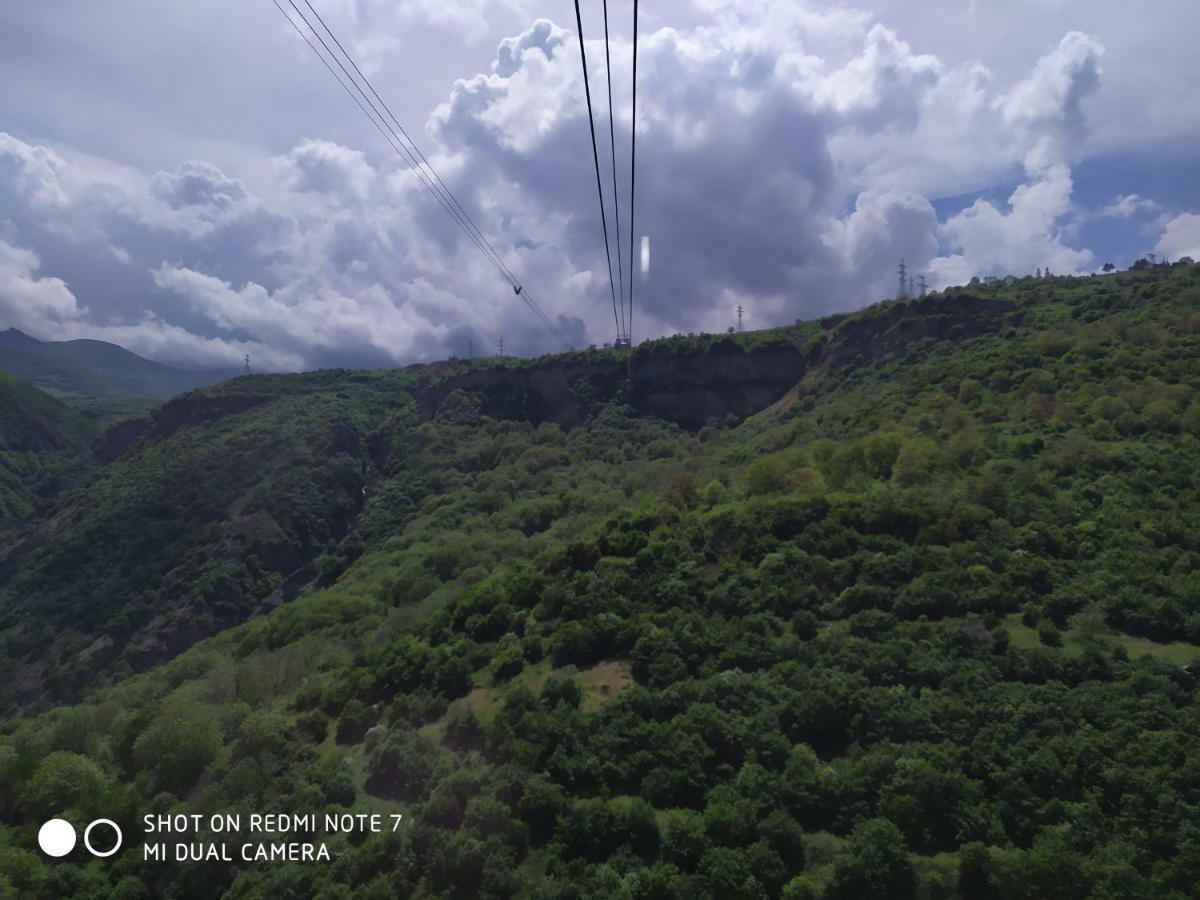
x=738, y=190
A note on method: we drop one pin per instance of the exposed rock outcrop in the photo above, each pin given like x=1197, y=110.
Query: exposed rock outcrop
x=693, y=387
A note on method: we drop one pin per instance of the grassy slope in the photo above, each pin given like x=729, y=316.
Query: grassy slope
x=853, y=573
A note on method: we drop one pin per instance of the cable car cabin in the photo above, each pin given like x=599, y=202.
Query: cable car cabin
x=622, y=344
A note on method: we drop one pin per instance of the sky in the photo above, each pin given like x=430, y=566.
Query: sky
x=187, y=180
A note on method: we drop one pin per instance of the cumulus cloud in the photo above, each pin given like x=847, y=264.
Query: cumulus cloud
x=884, y=228
x=787, y=157
x=198, y=184
x=27, y=300
x=1180, y=237
x=754, y=143
x=323, y=167
x=1129, y=205
x=32, y=174
x=1046, y=110
x=1052, y=97
x=45, y=306
x=311, y=317
x=1026, y=235
x=886, y=79
x=543, y=36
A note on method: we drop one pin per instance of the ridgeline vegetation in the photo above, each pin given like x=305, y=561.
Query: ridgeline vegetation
x=926, y=626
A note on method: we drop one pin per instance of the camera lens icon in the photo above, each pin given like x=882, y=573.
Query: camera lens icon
x=87, y=838
x=57, y=838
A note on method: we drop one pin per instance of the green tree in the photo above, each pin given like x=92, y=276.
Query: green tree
x=872, y=863
x=66, y=781
x=178, y=745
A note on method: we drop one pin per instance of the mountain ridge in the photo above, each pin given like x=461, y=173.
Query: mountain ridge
x=84, y=368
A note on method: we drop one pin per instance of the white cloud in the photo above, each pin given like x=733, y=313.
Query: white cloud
x=45, y=307
x=1127, y=206
x=1180, y=237
x=308, y=316
x=33, y=173
x=198, y=184
x=30, y=301
x=324, y=167
x=787, y=151
x=884, y=228
x=1054, y=92
x=886, y=74
x=1028, y=235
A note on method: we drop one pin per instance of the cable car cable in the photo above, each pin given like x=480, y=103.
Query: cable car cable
x=596, y=159
x=632, y=175
x=612, y=144
x=398, y=145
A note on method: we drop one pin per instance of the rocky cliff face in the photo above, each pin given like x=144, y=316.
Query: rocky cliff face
x=186, y=410
x=687, y=389
x=891, y=328
x=691, y=388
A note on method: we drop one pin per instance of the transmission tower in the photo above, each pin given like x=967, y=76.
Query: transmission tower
x=246, y=370
x=921, y=285
x=903, y=279
x=501, y=343
x=739, y=312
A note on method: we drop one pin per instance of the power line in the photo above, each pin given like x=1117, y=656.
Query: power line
x=444, y=196
x=596, y=158
x=612, y=143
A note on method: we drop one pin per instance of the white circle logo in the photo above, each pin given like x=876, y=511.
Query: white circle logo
x=87, y=834
x=56, y=837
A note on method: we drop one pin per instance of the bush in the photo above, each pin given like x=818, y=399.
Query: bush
x=179, y=744
x=1049, y=635
x=354, y=721
x=768, y=474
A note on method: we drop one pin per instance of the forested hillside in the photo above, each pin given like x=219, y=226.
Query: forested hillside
x=36, y=432
x=926, y=625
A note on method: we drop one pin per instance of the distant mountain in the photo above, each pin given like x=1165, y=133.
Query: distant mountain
x=94, y=370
